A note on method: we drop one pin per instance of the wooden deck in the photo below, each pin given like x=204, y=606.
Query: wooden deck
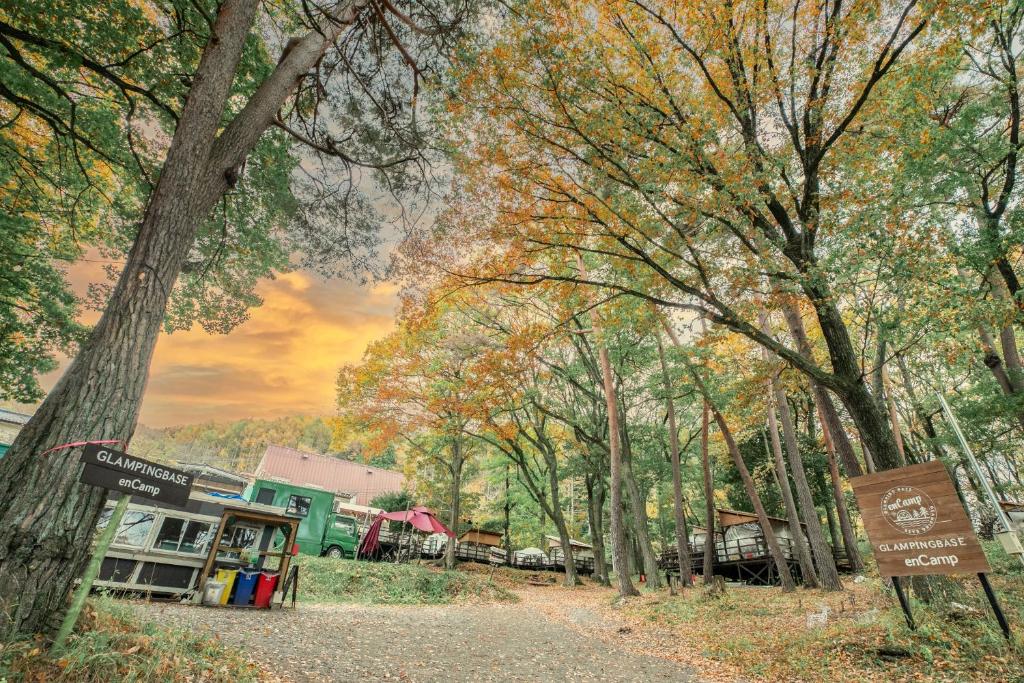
x=746, y=560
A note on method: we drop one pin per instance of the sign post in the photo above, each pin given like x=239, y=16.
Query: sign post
x=917, y=526
x=131, y=476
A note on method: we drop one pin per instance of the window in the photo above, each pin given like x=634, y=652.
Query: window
x=184, y=536
x=265, y=496
x=345, y=525
x=298, y=505
x=134, y=527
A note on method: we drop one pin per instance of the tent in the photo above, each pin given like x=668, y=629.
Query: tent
x=419, y=517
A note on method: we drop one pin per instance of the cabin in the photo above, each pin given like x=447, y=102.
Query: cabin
x=531, y=558
x=741, y=552
x=582, y=554
x=475, y=545
x=161, y=549
x=349, y=481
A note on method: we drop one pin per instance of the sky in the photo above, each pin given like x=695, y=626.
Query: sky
x=282, y=361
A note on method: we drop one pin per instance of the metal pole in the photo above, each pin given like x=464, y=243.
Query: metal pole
x=904, y=603
x=1000, y=617
x=91, y=571
x=1003, y=519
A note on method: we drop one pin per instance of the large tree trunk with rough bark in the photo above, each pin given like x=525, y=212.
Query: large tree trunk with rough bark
x=638, y=506
x=682, y=542
x=47, y=518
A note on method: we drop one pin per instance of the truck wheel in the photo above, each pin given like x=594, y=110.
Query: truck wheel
x=335, y=552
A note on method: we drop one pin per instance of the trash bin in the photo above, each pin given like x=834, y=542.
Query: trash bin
x=227, y=577
x=213, y=592
x=265, y=588
x=244, y=585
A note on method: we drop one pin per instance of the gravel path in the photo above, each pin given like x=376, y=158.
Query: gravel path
x=492, y=642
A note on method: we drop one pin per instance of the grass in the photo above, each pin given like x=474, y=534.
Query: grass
x=326, y=580
x=763, y=634
x=112, y=644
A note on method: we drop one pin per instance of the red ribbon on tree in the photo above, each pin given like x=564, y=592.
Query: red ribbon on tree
x=76, y=444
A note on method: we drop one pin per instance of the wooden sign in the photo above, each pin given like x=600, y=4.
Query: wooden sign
x=122, y=472
x=916, y=523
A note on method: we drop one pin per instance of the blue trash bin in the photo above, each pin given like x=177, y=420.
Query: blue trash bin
x=245, y=584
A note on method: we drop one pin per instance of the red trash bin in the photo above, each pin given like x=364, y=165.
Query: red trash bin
x=265, y=588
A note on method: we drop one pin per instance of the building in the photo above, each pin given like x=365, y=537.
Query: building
x=10, y=424
x=213, y=479
x=351, y=482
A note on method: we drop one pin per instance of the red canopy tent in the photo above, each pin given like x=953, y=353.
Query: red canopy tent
x=419, y=517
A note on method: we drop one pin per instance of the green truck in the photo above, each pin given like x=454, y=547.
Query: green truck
x=321, y=531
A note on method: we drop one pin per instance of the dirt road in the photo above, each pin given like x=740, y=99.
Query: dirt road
x=495, y=642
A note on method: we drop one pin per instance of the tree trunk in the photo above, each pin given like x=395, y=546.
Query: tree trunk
x=682, y=542
x=842, y=510
x=830, y=419
x=803, y=552
x=507, y=537
x=709, y=496
x=457, y=461
x=626, y=587
x=823, y=559
x=595, y=513
x=785, y=576
x=47, y=518
x=638, y=506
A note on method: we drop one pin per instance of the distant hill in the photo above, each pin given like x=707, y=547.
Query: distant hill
x=236, y=445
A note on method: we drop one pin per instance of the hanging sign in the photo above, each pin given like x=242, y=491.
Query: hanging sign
x=916, y=523
x=122, y=472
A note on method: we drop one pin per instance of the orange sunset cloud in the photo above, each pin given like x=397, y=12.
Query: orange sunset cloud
x=282, y=361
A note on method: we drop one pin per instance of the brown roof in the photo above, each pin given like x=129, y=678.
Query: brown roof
x=340, y=476
x=729, y=518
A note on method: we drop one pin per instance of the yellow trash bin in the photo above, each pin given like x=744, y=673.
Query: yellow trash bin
x=227, y=576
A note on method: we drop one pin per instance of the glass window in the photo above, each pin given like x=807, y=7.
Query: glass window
x=346, y=526
x=134, y=527
x=184, y=536
x=298, y=505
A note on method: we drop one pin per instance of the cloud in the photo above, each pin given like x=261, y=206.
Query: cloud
x=282, y=361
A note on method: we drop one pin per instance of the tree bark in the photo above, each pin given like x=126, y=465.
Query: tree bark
x=803, y=552
x=842, y=510
x=830, y=416
x=456, y=491
x=626, y=587
x=823, y=559
x=709, y=496
x=47, y=518
x=638, y=506
x=595, y=513
x=682, y=541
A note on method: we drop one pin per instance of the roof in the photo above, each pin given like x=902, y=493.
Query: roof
x=13, y=417
x=333, y=474
x=201, y=469
x=744, y=518
x=556, y=541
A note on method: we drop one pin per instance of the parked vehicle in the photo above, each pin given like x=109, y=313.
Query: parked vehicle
x=322, y=531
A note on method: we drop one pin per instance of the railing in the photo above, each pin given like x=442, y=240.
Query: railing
x=730, y=550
